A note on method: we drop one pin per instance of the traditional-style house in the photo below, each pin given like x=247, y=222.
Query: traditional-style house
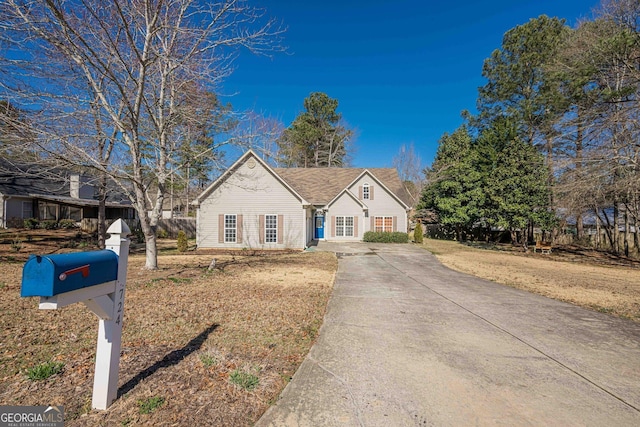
x=253, y=205
x=27, y=192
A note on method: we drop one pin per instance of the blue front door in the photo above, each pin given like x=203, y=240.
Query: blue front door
x=319, y=226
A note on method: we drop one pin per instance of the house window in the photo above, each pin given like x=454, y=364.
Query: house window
x=48, y=210
x=271, y=228
x=75, y=213
x=384, y=223
x=27, y=210
x=344, y=226
x=365, y=191
x=230, y=228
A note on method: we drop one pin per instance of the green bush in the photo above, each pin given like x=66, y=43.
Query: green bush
x=183, y=242
x=385, y=237
x=31, y=223
x=49, y=224
x=418, y=234
x=67, y=223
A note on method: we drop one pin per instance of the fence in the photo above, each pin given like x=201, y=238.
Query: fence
x=167, y=228
x=170, y=227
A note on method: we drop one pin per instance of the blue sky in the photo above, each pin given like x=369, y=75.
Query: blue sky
x=402, y=71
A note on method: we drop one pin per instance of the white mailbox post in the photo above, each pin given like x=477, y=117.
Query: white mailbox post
x=88, y=277
x=105, y=380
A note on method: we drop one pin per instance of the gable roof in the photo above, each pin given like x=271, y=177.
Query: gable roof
x=350, y=194
x=235, y=166
x=319, y=186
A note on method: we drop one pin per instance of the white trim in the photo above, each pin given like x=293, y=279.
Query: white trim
x=353, y=196
x=368, y=172
x=235, y=228
x=344, y=225
x=233, y=168
x=275, y=237
x=384, y=217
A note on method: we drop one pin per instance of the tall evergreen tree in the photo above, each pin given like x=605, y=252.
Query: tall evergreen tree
x=517, y=189
x=518, y=85
x=317, y=137
x=454, y=190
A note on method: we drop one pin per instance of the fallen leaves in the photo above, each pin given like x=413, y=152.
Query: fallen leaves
x=241, y=314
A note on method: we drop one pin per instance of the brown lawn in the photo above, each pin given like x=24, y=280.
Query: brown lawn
x=187, y=333
x=590, y=279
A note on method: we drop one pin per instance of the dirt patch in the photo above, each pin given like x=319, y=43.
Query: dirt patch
x=590, y=279
x=187, y=332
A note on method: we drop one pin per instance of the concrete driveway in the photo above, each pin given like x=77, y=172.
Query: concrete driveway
x=408, y=342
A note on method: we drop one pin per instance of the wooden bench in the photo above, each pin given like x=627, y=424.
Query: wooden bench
x=543, y=247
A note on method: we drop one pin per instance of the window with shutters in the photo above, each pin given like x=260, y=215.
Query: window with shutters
x=230, y=228
x=344, y=226
x=384, y=223
x=365, y=191
x=271, y=228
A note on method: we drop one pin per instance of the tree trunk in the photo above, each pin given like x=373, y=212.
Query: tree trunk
x=150, y=242
x=627, y=229
x=102, y=214
x=616, y=228
x=151, y=256
x=578, y=166
x=597, y=228
x=514, y=237
x=148, y=226
x=579, y=227
x=636, y=236
x=608, y=231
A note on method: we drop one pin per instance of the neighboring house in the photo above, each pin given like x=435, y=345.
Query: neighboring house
x=253, y=205
x=26, y=193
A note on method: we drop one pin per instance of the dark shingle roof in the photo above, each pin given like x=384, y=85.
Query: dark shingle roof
x=32, y=180
x=22, y=180
x=320, y=185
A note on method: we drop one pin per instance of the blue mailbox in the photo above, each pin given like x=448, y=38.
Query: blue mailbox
x=49, y=275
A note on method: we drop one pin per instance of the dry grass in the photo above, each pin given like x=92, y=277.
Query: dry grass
x=589, y=279
x=186, y=330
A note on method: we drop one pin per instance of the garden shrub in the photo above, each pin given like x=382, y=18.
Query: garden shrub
x=49, y=224
x=183, y=242
x=67, y=223
x=31, y=223
x=418, y=234
x=385, y=237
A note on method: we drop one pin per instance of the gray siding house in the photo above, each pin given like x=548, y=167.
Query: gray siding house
x=27, y=192
x=253, y=205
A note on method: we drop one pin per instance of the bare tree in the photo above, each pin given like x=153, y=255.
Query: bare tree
x=140, y=59
x=261, y=133
x=410, y=169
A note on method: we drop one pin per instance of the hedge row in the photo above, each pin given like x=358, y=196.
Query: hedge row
x=385, y=237
x=49, y=224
